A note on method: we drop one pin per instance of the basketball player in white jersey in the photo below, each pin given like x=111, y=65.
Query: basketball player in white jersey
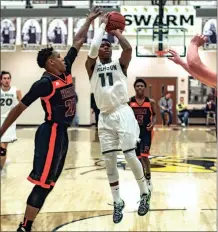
x=117, y=126
x=9, y=98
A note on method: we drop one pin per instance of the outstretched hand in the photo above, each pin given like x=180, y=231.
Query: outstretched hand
x=176, y=58
x=94, y=13
x=199, y=40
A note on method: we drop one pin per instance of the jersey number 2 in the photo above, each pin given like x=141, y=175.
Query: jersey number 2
x=70, y=104
x=110, y=79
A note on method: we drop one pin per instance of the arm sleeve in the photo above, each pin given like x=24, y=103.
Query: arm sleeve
x=70, y=57
x=40, y=88
x=96, y=42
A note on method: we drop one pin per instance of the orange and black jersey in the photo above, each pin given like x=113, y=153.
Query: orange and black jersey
x=143, y=112
x=57, y=93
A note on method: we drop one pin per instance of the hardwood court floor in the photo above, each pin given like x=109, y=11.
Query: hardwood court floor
x=183, y=174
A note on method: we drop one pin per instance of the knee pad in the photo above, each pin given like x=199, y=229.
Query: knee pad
x=37, y=197
x=111, y=166
x=3, y=151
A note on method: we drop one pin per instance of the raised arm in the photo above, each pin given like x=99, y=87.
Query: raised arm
x=195, y=64
x=126, y=54
x=95, y=45
x=206, y=77
x=82, y=33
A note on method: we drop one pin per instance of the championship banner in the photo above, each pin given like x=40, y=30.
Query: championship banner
x=209, y=29
x=148, y=16
x=8, y=34
x=31, y=34
x=77, y=24
x=57, y=33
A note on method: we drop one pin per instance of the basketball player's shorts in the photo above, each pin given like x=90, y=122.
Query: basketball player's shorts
x=51, y=145
x=10, y=134
x=143, y=147
x=118, y=130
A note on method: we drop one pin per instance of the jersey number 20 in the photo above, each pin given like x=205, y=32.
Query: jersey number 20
x=109, y=76
x=6, y=102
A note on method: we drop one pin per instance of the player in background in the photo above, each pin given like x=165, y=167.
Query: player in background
x=9, y=98
x=117, y=126
x=56, y=91
x=145, y=113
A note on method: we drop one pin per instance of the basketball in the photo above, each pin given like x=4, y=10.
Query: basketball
x=115, y=21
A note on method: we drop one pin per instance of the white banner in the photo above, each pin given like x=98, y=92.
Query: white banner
x=8, y=34
x=31, y=33
x=148, y=16
x=209, y=29
x=57, y=33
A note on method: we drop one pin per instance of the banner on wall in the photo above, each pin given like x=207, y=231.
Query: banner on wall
x=77, y=24
x=148, y=16
x=31, y=33
x=57, y=33
x=8, y=34
x=209, y=29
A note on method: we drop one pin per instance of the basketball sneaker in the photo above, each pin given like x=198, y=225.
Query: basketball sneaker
x=118, y=211
x=21, y=229
x=144, y=204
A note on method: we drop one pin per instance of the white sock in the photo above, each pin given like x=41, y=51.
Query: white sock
x=142, y=185
x=115, y=190
x=137, y=170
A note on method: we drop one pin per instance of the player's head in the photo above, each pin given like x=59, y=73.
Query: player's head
x=51, y=60
x=5, y=79
x=140, y=86
x=168, y=95
x=105, y=50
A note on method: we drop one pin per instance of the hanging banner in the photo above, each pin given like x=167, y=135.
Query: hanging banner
x=57, y=33
x=209, y=29
x=148, y=16
x=77, y=24
x=8, y=34
x=31, y=34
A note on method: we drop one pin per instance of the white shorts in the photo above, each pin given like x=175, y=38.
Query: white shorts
x=118, y=130
x=10, y=134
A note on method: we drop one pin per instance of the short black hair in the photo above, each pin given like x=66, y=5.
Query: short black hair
x=4, y=73
x=43, y=56
x=106, y=40
x=141, y=81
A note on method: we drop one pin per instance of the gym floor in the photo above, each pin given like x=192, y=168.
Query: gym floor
x=183, y=174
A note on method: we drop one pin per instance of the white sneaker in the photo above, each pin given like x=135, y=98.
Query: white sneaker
x=150, y=186
x=183, y=124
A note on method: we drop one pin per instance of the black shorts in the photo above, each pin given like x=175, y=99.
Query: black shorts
x=51, y=145
x=143, y=147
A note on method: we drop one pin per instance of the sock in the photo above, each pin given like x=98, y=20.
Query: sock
x=148, y=176
x=116, y=193
x=137, y=170
x=27, y=224
x=142, y=183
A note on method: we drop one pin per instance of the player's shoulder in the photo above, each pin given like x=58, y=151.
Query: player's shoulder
x=132, y=99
